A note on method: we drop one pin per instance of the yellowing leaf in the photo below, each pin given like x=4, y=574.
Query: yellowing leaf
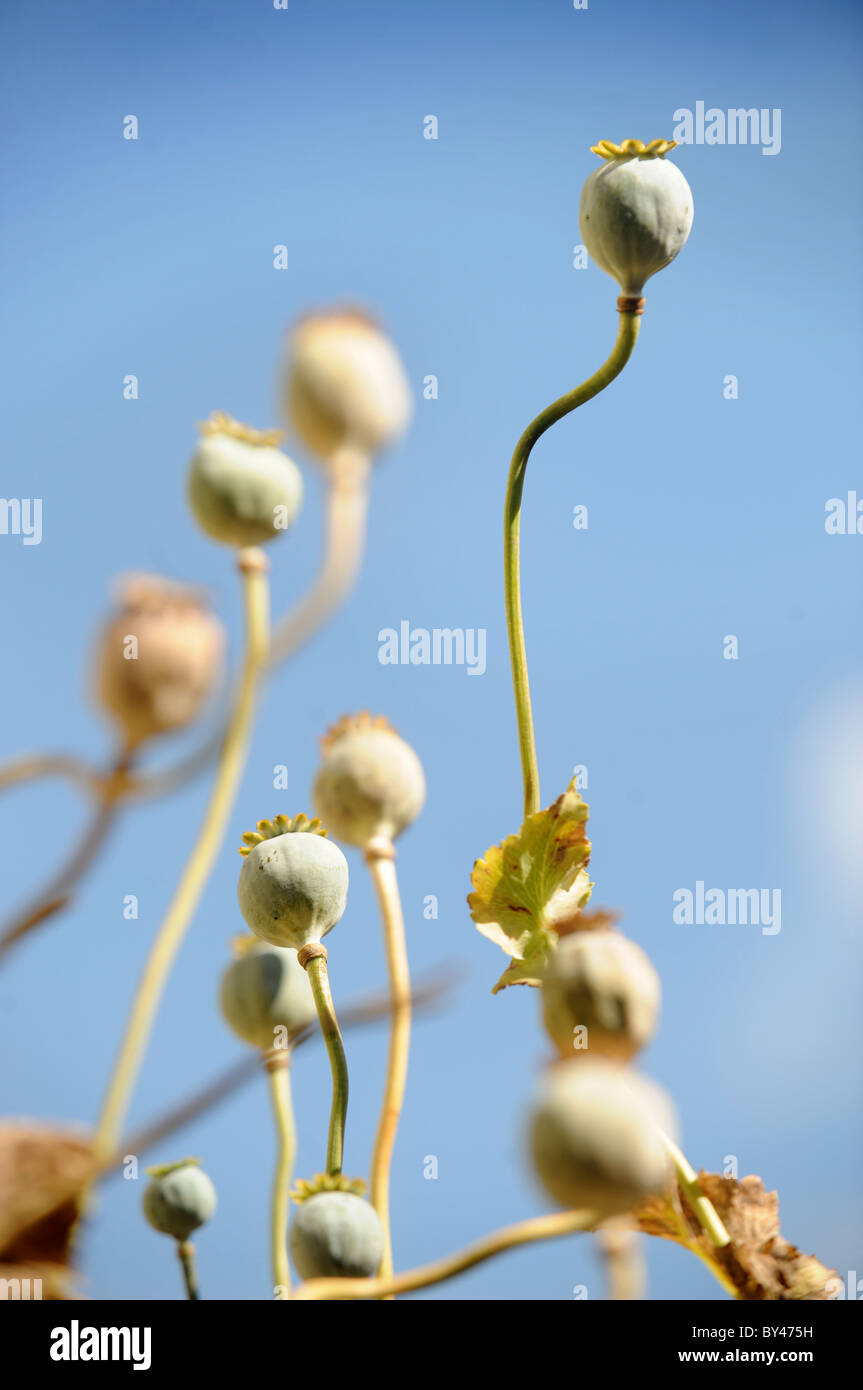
x=759, y=1265
x=529, y=890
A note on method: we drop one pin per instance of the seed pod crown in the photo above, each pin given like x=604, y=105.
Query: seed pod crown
x=635, y=212
x=294, y=881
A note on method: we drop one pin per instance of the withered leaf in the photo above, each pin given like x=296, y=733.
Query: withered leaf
x=42, y=1172
x=758, y=1264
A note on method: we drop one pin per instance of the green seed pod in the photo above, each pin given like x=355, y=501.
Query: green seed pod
x=336, y=1235
x=243, y=491
x=595, y=1136
x=179, y=1198
x=294, y=882
x=601, y=981
x=266, y=989
x=345, y=385
x=370, y=782
x=635, y=212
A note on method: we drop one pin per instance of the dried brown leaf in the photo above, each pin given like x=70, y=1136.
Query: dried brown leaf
x=42, y=1172
x=759, y=1264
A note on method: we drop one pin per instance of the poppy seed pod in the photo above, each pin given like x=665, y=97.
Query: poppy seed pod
x=345, y=384
x=294, y=882
x=596, y=1138
x=603, y=982
x=263, y=990
x=635, y=212
x=158, y=659
x=336, y=1235
x=242, y=490
x=179, y=1198
x=370, y=782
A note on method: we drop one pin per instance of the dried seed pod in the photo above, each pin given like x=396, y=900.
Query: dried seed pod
x=336, y=1235
x=158, y=659
x=601, y=981
x=179, y=1198
x=294, y=882
x=345, y=384
x=635, y=212
x=242, y=489
x=596, y=1137
x=370, y=782
x=263, y=990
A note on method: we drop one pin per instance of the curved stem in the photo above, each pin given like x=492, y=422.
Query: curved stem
x=538, y=1228
x=31, y=766
x=380, y=857
x=316, y=969
x=279, y=1068
x=346, y=505
x=253, y=566
x=705, y=1211
x=189, y=1265
x=626, y=339
x=59, y=891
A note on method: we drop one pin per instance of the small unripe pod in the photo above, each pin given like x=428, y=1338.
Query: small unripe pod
x=336, y=1235
x=293, y=886
x=596, y=1137
x=370, y=782
x=345, y=385
x=243, y=491
x=263, y=990
x=179, y=1198
x=635, y=212
x=601, y=981
x=158, y=658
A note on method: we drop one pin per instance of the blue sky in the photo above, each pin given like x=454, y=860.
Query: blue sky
x=706, y=518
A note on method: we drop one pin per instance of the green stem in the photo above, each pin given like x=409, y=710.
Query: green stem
x=316, y=968
x=189, y=1265
x=705, y=1211
x=626, y=339
x=278, y=1066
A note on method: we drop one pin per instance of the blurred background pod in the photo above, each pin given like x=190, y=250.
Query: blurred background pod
x=370, y=782
x=293, y=885
x=596, y=1135
x=242, y=489
x=158, y=659
x=179, y=1198
x=264, y=989
x=344, y=385
x=605, y=983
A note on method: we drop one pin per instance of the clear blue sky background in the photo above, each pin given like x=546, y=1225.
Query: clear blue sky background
x=304, y=127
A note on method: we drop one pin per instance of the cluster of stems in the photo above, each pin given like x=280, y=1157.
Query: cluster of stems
x=347, y=497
